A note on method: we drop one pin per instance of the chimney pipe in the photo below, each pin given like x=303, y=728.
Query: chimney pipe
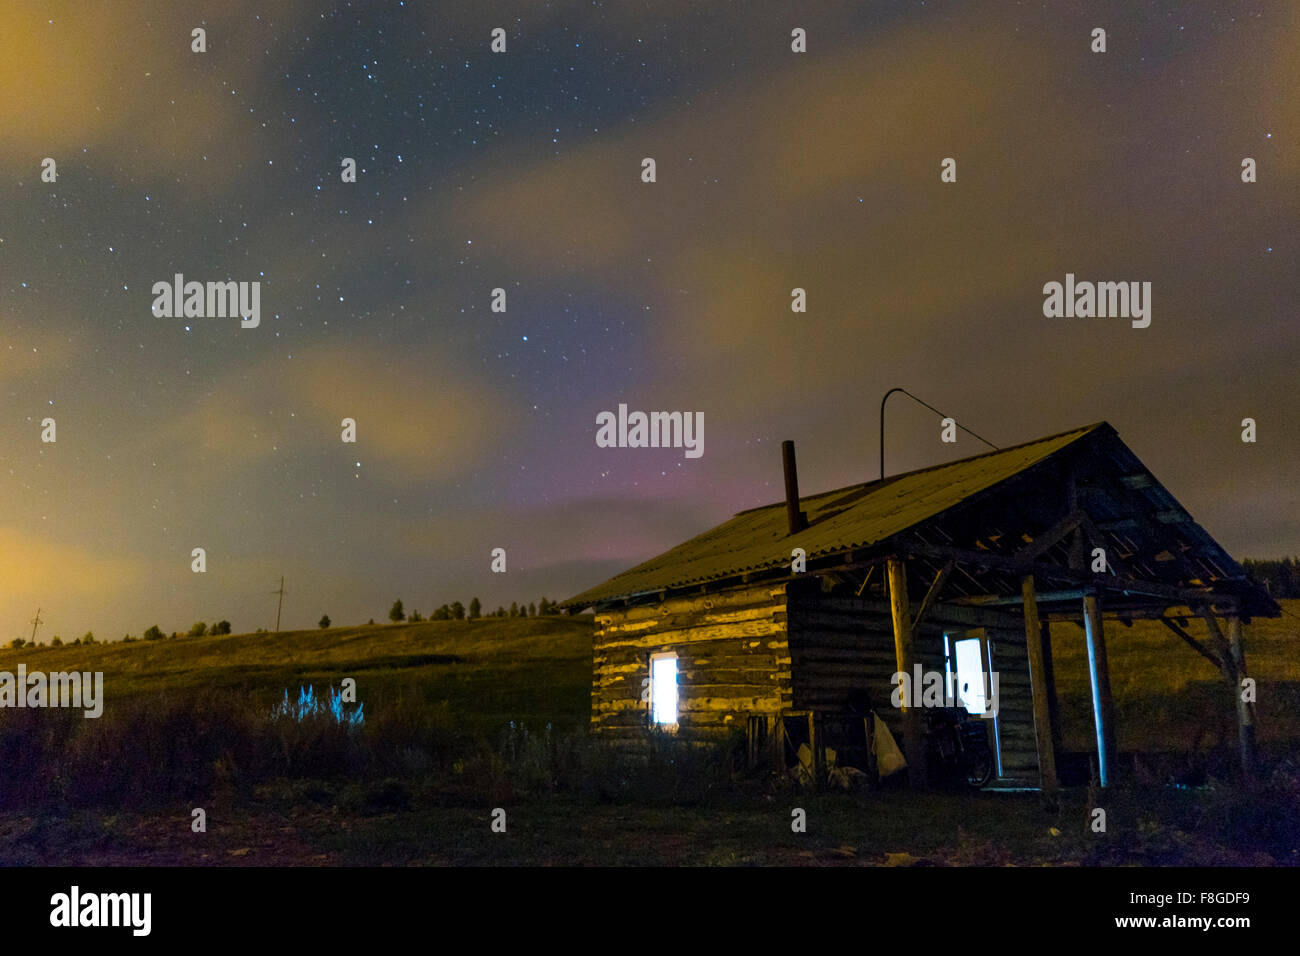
x=797, y=519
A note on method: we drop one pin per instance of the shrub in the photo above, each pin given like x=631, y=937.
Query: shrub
x=88, y=637
x=367, y=799
x=153, y=633
x=17, y=643
x=324, y=621
x=57, y=641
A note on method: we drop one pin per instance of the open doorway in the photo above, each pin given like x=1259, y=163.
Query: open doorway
x=968, y=669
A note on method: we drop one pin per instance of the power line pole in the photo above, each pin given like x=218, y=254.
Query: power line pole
x=279, y=605
x=35, y=621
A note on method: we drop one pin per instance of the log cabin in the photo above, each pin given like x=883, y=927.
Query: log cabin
x=764, y=628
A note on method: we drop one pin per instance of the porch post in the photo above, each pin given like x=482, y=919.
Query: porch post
x=913, y=744
x=1038, y=685
x=1103, y=709
x=1245, y=710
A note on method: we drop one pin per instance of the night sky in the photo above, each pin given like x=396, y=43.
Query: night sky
x=522, y=170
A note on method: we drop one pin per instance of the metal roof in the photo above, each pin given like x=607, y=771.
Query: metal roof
x=842, y=520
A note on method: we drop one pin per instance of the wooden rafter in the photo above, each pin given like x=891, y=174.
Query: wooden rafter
x=1193, y=643
x=936, y=586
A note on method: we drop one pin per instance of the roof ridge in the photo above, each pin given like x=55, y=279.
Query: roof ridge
x=1082, y=430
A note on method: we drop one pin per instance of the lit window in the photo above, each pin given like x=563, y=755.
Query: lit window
x=663, y=688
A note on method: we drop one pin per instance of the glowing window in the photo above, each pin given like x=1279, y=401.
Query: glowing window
x=663, y=688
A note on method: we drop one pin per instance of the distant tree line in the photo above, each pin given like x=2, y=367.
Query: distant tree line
x=154, y=633
x=455, y=611
x=1280, y=577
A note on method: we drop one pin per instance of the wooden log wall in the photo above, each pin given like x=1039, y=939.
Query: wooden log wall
x=733, y=662
x=841, y=643
x=1015, y=707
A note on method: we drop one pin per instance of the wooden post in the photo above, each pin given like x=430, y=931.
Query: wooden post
x=1049, y=671
x=1103, y=710
x=1245, y=710
x=1038, y=685
x=913, y=744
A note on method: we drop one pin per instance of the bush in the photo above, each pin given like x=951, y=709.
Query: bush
x=88, y=637
x=153, y=633
x=17, y=643
x=324, y=621
x=367, y=799
x=57, y=641
x=198, y=629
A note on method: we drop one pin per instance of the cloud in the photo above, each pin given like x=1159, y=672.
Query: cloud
x=34, y=568
x=823, y=173
x=117, y=80
x=419, y=418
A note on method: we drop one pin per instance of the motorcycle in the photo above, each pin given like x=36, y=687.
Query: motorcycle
x=958, y=747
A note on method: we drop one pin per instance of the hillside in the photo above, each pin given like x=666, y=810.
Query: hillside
x=489, y=670
x=494, y=670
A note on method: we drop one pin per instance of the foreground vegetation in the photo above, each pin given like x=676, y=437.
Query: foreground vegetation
x=464, y=716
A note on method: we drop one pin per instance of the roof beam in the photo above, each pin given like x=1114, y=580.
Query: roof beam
x=1193, y=643
x=1051, y=536
x=935, y=587
x=1015, y=565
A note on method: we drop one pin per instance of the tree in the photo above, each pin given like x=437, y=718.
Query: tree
x=17, y=643
x=532, y=609
x=57, y=641
x=415, y=617
x=500, y=611
x=475, y=609
x=543, y=606
x=442, y=614
x=458, y=610
x=88, y=638
x=396, y=613
x=324, y=621
x=199, y=629
x=154, y=633
x=221, y=627
x=514, y=609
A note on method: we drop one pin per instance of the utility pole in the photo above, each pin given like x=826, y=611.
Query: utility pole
x=35, y=621
x=279, y=605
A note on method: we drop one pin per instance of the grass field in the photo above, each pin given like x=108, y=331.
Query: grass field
x=186, y=725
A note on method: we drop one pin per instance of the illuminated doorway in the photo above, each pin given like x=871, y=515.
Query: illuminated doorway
x=968, y=669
